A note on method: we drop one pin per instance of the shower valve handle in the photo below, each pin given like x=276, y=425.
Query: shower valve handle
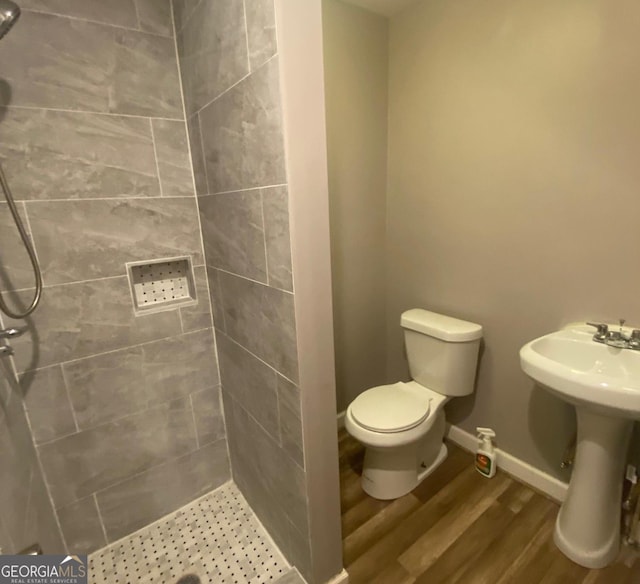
x=11, y=333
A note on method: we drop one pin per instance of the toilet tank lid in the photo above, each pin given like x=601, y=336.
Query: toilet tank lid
x=440, y=326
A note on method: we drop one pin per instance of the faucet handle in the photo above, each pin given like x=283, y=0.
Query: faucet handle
x=634, y=340
x=601, y=333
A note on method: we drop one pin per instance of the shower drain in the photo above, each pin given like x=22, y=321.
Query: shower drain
x=216, y=539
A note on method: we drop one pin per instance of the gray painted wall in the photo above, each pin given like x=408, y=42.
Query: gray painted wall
x=513, y=141
x=230, y=72
x=355, y=65
x=125, y=410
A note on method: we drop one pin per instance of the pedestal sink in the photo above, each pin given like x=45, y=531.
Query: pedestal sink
x=603, y=383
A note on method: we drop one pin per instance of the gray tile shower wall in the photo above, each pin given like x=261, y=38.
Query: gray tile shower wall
x=234, y=118
x=26, y=513
x=125, y=411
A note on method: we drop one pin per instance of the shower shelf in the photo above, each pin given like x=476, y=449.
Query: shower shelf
x=163, y=284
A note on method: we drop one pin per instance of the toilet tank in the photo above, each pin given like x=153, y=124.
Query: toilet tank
x=442, y=351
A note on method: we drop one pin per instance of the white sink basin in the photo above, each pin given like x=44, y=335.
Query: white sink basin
x=603, y=383
x=581, y=371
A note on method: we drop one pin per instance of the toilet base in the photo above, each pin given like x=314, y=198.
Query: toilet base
x=392, y=473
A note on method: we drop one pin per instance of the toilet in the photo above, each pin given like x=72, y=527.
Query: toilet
x=402, y=425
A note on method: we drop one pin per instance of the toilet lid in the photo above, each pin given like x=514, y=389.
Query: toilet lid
x=391, y=408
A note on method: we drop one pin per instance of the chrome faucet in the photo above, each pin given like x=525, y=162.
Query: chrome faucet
x=617, y=338
x=601, y=333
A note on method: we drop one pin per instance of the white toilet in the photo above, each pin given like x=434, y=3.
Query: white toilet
x=402, y=425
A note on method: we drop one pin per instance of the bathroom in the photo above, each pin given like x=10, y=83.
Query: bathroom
x=317, y=168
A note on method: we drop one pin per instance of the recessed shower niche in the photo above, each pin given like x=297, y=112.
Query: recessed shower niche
x=161, y=284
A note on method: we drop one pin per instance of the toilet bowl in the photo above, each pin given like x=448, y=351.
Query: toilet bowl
x=402, y=425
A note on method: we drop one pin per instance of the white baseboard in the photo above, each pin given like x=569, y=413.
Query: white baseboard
x=341, y=416
x=523, y=471
x=341, y=578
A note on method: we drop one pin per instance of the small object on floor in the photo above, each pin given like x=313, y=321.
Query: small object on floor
x=486, y=455
x=189, y=579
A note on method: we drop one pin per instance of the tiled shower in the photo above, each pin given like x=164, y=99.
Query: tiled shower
x=129, y=417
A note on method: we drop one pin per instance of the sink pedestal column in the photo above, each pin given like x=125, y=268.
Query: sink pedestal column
x=588, y=525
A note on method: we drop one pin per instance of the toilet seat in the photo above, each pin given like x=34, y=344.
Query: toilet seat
x=391, y=408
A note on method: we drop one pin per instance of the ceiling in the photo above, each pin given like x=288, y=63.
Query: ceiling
x=384, y=7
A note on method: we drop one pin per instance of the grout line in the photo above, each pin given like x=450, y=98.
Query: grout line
x=39, y=463
x=68, y=392
x=125, y=348
x=186, y=19
x=104, y=530
x=275, y=56
x=149, y=406
x=204, y=158
x=264, y=240
x=123, y=198
x=155, y=155
x=261, y=360
x=98, y=22
x=89, y=280
x=246, y=34
x=254, y=281
x=243, y=190
x=193, y=417
x=165, y=517
x=135, y=9
x=179, y=309
x=137, y=474
x=221, y=296
x=90, y=112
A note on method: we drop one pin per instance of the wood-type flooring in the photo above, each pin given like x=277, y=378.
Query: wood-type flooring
x=458, y=527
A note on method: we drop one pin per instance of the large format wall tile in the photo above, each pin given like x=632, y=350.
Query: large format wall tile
x=80, y=240
x=117, y=12
x=213, y=51
x=264, y=468
x=140, y=500
x=47, y=403
x=261, y=319
x=233, y=233
x=25, y=506
x=84, y=463
x=261, y=31
x=71, y=155
x=242, y=134
x=182, y=11
x=88, y=66
x=290, y=419
x=81, y=526
x=197, y=316
x=112, y=385
x=278, y=241
x=208, y=415
x=197, y=155
x=155, y=16
x=252, y=383
x=77, y=320
x=15, y=268
x=174, y=164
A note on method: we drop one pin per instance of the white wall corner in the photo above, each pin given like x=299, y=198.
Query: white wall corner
x=519, y=469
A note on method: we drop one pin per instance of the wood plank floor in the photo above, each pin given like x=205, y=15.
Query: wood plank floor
x=458, y=526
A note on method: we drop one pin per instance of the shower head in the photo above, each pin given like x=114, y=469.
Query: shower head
x=9, y=13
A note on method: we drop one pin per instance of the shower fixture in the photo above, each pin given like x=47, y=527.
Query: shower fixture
x=30, y=251
x=9, y=13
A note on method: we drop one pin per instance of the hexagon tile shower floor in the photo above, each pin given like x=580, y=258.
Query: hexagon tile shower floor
x=216, y=539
